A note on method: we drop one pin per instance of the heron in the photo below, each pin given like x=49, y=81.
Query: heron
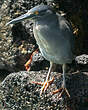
x=54, y=36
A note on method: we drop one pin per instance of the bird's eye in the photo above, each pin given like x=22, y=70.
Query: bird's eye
x=36, y=12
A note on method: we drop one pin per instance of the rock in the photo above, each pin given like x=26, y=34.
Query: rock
x=38, y=62
x=82, y=59
x=17, y=42
x=18, y=92
x=82, y=62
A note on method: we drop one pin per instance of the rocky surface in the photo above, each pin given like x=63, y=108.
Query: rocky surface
x=82, y=59
x=16, y=42
x=18, y=93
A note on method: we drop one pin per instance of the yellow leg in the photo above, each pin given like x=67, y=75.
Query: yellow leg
x=47, y=82
x=27, y=65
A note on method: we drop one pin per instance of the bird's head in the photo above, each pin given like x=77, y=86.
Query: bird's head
x=34, y=13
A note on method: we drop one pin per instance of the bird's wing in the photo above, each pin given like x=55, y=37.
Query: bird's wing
x=67, y=30
x=66, y=23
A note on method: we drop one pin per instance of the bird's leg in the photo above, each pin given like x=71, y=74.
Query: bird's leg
x=27, y=65
x=64, y=82
x=47, y=81
x=64, y=69
x=63, y=89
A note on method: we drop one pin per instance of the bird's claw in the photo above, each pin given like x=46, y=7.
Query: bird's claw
x=61, y=90
x=44, y=84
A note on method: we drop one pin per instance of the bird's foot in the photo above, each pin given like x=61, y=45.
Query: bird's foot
x=62, y=90
x=44, y=85
x=28, y=63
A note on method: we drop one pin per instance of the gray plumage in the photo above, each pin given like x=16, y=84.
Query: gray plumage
x=53, y=35
x=55, y=38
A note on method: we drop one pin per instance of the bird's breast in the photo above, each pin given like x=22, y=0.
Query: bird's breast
x=52, y=43
x=41, y=35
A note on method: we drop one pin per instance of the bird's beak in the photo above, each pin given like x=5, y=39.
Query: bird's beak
x=28, y=15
